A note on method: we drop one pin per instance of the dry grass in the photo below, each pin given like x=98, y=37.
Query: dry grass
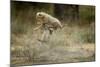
x=67, y=45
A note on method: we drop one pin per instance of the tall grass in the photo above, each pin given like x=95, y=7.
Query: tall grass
x=64, y=46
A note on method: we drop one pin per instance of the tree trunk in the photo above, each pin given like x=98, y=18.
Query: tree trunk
x=66, y=12
x=59, y=11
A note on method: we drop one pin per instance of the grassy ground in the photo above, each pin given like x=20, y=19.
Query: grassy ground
x=71, y=44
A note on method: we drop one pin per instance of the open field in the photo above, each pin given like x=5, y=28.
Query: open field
x=69, y=44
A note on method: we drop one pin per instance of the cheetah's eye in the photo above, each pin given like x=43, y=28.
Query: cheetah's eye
x=40, y=15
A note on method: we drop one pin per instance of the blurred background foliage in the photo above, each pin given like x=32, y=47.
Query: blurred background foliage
x=23, y=13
